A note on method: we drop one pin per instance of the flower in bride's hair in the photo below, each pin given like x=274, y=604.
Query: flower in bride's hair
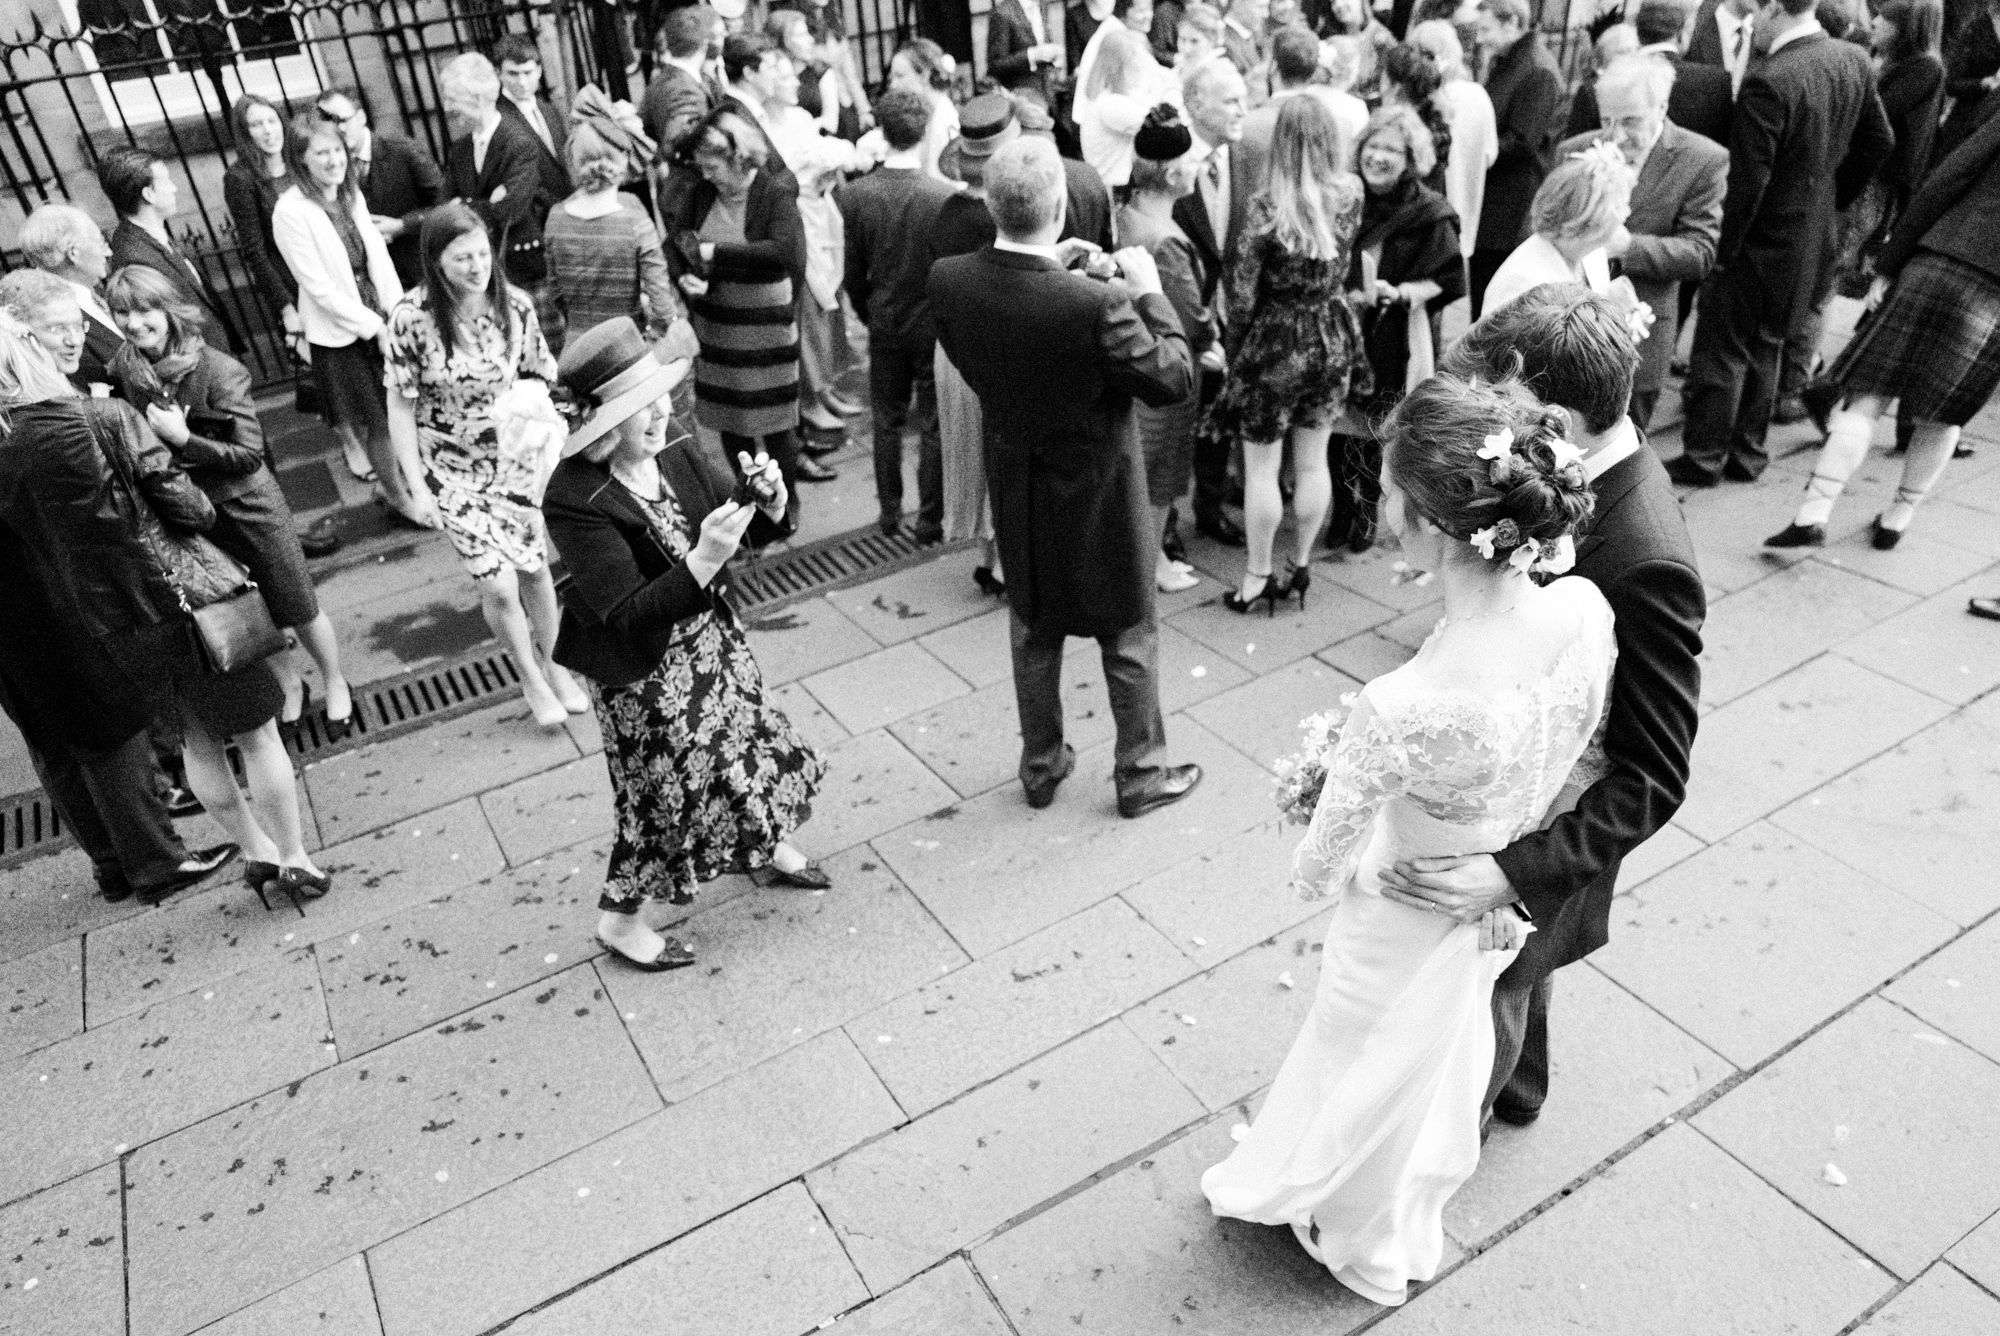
x=1566, y=452
x=1499, y=445
x=1506, y=534
x=1483, y=539
x=1557, y=557
x=1525, y=556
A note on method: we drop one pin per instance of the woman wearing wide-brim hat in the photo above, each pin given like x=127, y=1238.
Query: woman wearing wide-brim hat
x=708, y=776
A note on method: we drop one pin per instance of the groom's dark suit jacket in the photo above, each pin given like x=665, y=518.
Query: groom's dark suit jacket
x=1636, y=551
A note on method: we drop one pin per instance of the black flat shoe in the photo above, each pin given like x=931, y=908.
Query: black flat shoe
x=1684, y=472
x=1736, y=472
x=1043, y=792
x=673, y=956
x=1884, y=540
x=988, y=582
x=194, y=869
x=1515, y=1117
x=321, y=538
x=811, y=877
x=1989, y=608
x=1169, y=784
x=811, y=470
x=1220, y=529
x=1798, y=535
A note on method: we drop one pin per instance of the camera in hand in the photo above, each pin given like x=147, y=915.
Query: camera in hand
x=1100, y=266
x=755, y=491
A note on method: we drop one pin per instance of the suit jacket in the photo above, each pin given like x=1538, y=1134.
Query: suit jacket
x=1705, y=41
x=675, y=102
x=513, y=160
x=1008, y=37
x=1526, y=89
x=133, y=244
x=224, y=463
x=1247, y=164
x=402, y=182
x=1636, y=551
x=554, y=162
x=101, y=343
x=1956, y=212
x=1809, y=133
x=1056, y=359
x=1089, y=215
x=1701, y=101
x=1676, y=217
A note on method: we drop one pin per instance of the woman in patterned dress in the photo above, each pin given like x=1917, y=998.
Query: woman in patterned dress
x=708, y=776
x=1292, y=342
x=455, y=344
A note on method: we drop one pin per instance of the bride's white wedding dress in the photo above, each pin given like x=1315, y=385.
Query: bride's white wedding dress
x=1373, y=1121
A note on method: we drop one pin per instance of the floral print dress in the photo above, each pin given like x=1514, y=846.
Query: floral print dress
x=484, y=497
x=707, y=776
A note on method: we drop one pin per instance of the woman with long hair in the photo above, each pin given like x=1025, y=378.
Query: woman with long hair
x=127, y=567
x=197, y=399
x=456, y=344
x=347, y=283
x=1296, y=354
x=1124, y=84
x=1475, y=138
x=922, y=66
x=250, y=188
x=707, y=774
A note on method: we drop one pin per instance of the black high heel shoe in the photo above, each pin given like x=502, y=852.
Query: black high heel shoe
x=302, y=886
x=260, y=877
x=1270, y=594
x=1300, y=582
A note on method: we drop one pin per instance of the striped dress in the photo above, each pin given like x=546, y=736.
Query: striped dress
x=746, y=380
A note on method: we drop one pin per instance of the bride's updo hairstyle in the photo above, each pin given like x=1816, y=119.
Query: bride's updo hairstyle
x=1491, y=465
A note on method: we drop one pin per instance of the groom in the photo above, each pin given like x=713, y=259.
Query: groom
x=1572, y=349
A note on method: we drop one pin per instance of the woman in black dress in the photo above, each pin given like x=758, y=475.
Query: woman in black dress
x=707, y=775
x=250, y=187
x=197, y=400
x=1292, y=342
x=1406, y=260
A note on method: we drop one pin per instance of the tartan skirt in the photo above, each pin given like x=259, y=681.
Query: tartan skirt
x=1934, y=343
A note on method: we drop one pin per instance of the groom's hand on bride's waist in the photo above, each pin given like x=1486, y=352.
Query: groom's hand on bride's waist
x=1461, y=887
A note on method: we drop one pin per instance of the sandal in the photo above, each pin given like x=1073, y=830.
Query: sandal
x=672, y=956
x=811, y=877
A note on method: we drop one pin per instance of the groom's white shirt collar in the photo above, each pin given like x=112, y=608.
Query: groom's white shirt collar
x=1624, y=443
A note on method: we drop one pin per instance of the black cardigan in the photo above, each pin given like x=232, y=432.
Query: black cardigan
x=774, y=236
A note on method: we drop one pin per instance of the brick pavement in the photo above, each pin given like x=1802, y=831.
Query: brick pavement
x=970, y=1090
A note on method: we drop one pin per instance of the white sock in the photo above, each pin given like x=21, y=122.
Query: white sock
x=1847, y=437
x=1930, y=451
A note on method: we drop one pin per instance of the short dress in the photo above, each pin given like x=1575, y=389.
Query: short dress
x=1298, y=353
x=485, y=501
x=707, y=775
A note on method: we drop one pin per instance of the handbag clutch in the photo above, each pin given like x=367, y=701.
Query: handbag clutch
x=236, y=630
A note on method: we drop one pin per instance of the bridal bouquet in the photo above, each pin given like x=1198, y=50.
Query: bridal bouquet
x=1303, y=774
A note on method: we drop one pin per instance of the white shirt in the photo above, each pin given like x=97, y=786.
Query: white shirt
x=481, y=139
x=93, y=305
x=532, y=113
x=1033, y=9
x=1020, y=248
x=1790, y=35
x=1623, y=445
x=1735, y=57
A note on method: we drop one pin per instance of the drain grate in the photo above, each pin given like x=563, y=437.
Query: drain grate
x=825, y=564
x=399, y=705
x=28, y=824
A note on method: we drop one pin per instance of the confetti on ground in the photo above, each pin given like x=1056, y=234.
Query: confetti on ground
x=290, y=935
x=1199, y=941
x=1833, y=1175
x=1937, y=1039
x=442, y=1176
x=1187, y=1020
x=549, y=959
x=1840, y=1134
x=1198, y=671
x=30, y=1283
x=353, y=937
x=208, y=997
x=1238, y=1132
x=492, y=983
x=1953, y=983
x=923, y=844
x=583, y=1192
x=881, y=1038
x=1285, y=980
x=1249, y=649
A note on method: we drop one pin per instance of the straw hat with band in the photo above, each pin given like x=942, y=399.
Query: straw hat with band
x=613, y=374
x=985, y=124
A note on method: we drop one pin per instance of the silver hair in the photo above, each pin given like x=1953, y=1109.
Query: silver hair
x=469, y=77
x=1199, y=83
x=52, y=230
x=1024, y=186
x=1650, y=73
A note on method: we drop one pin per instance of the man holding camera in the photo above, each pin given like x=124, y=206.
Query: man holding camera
x=1057, y=358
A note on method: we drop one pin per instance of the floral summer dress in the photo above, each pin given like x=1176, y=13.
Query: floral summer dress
x=707, y=775
x=1300, y=345
x=485, y=499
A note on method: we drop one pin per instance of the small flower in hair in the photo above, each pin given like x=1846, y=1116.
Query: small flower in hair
x=1485, y=540
x=1499, y=445
x=1506, y=534
x=1525, y=556
x=1566, y=452
x=1557, y=557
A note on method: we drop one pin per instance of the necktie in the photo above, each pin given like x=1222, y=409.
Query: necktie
x=1215, y=199
x=541, y=126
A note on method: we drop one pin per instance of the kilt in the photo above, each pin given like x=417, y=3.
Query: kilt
x=1934, y=343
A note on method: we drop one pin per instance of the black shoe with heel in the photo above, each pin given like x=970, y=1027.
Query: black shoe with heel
x=1300, y=582
x=988, y=582
x=1884, y=539
x=1269, y=595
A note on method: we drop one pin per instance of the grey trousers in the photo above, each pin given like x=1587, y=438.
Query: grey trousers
x=1131, y=676
x=1520, y=1035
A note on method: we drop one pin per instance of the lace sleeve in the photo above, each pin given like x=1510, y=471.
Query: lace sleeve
x=1368, y=766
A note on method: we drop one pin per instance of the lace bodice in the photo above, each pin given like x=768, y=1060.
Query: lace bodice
x=1437, y=758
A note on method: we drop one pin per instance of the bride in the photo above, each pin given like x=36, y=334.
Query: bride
x=1373, y=1121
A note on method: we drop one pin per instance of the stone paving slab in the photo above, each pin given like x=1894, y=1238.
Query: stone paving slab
x=336, y=1302
x=873, y=784
x=945, y=1299
x=1139, y=1254
x=1921, y=563
x=1228, y=898
x=1791, y=735
x=1886, y=815
x=409, y=628
x=1978, y=1254
x=1261, y=717
x=41, y=998
x=770, y=1269
x=1072, y=854
x=1935, y=647
x=977, y=648
x=197, y=939
x=1958, y=989
x=85, y=1101
x=52, y=899
x=1777, y=624
x=1949, y=521
x=1256, y=640
x=390, y=569
x=258, y=1198
x=916, y=600
x=461, y=949
x=1670, y=845
x=62, y=1265
x=802, y=638
x=877, y=689
x=477, y=1266
x=815, y=725
x=362, y=790
x=1906, y=1115
x=1729, y=525
x=778, y=967
x=1751, y=943
x=1676, y=1238
x=962, y=1171
x=1372, y=574
x=1617, y=1068
x=1941, y=1303
x=550, y=811
x=1223, y=1033
x=970, y=1026
x=1367, y=656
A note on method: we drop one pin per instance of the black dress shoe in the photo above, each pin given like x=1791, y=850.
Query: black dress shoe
x=321, y=538
x=811, y=470
x=179, y=802
x=1989, y=608
x=890, y=525
x=1736, y=471
x=1168, y=784
x=927, y=535
x=195, y=868
x=1788, y=410
x=1221, y=529
x=1042, y=792
x=1798, y=535
x=1515, y=1117
x=1686, y=473
x=113, y=887
x=1884, y=540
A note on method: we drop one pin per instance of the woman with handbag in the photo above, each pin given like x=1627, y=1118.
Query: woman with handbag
x=707, y=774
x=197, y=399
x=120, y=527
x=456, y=344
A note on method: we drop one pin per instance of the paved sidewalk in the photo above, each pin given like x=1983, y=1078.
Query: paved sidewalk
x=971, y=1089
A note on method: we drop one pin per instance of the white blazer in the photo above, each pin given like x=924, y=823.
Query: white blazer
x=330, y=305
